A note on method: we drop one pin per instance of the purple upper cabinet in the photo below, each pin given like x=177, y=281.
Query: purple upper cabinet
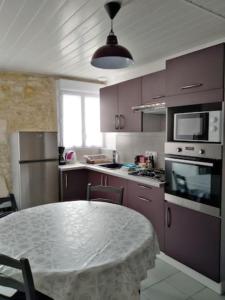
x=200, y=71
x=153, y=88
x=129, y=94
x=193, y=238
x=109, y=118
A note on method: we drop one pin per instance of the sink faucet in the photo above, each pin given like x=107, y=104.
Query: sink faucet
x=114, y=157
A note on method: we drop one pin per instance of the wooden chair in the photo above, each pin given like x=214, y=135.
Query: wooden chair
x=6, y=210
x=110, y=194
x=25, y=289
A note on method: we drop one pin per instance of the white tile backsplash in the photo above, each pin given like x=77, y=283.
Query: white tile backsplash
x=129, y=145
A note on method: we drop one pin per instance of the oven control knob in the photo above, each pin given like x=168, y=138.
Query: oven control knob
x=214, y=120
x=201, y=151
x=179, y=149
x=213, y=128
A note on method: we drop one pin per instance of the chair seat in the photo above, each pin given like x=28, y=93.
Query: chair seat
x=21, y=296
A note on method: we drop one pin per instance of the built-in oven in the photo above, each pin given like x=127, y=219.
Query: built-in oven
x=194, y=181
x=203, y=126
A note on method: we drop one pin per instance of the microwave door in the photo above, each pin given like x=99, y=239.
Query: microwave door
x=191, y=126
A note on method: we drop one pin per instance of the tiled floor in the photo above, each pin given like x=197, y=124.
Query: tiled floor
x=165, y=282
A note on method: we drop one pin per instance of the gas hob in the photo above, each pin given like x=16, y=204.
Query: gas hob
x=155, y=174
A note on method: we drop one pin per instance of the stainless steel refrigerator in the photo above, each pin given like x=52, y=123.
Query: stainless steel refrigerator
x=34, y=160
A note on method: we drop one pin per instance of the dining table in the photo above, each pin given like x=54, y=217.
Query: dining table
x=81, y=250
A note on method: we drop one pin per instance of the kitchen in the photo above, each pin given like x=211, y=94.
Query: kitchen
x=184, y=85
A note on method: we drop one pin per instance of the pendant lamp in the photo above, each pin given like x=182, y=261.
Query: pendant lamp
x=112, y=55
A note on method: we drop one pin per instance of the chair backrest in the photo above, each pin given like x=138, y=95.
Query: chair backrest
x=110, y=191
x=27, y=286
x=11, y=200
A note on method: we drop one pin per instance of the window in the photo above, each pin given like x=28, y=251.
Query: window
x=80, y=116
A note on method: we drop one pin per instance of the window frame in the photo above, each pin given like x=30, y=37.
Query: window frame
x=60, y=117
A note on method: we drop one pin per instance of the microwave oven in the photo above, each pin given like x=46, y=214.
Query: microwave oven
x=204, y=126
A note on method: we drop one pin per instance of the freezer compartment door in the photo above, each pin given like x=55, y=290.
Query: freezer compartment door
x=39, y=183
x=37, y=145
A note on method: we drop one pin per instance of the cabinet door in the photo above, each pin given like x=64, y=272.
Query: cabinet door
x=193, y=239
x=195, y=72
x=74, y=185
x=117, y=182
x=129, y=94
x=149, y=201
x=109, y=109
x=153, y=88
x=95, y=178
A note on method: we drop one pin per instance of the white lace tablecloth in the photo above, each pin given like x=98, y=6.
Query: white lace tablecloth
x=81, y=250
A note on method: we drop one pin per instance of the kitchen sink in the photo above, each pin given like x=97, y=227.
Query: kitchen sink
x=112, y=166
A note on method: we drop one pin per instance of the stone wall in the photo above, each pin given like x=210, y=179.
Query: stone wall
x=27, y=103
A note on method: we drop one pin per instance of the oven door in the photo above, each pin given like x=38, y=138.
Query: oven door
x=191, y=126
x=194, y=183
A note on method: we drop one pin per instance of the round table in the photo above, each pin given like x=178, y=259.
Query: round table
x=81, y=250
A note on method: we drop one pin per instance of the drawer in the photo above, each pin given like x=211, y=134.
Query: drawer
x=149, y=201
x=146, y=192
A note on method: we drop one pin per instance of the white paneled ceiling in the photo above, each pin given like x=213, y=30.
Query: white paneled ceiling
x=59, y=36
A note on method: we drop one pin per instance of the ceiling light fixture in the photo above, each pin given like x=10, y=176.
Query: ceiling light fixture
x=112, y=55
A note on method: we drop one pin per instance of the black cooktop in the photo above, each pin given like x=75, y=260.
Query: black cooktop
x=156, y=174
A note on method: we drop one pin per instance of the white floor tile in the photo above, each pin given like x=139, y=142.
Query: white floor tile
x=161, y=271
x=207, y=294
x=185, y=284
x=162, y=291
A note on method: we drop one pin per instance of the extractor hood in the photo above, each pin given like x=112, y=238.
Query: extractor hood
x=153, y=108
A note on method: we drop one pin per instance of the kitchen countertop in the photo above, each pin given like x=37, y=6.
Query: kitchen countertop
x=114, y=172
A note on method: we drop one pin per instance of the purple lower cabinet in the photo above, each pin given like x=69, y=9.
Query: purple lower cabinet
x=97, y=178
x=193, y=238
x=73, y=185
x=118, y=182
x=149, y=201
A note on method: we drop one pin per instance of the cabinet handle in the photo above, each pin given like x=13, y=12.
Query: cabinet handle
x=106, y=180
x=145, y=187
x=190, y=86
x=144, y=199
x=121, y=124
x=66, y=181
x=168, y=217
x=117, y=122
x=158, y=97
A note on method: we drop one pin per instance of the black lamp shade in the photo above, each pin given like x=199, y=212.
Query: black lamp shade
x=112, y=57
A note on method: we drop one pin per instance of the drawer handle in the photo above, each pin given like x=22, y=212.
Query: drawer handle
x=158, y=97
x=190, y=86
x=144, y=199
x=145, y=187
